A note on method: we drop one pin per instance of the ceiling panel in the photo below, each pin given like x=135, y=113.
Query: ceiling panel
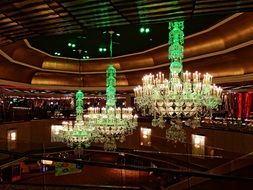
x=37, y=17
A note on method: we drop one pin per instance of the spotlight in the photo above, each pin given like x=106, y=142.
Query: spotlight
x=144, y=30
x=69, y=44
x=57, y=53
x=118, y=34
x=73, y=45
x=86, y=57
x=102, y=50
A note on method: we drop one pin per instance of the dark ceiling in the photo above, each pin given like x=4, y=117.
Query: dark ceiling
x=129, y=41
x=51, y=24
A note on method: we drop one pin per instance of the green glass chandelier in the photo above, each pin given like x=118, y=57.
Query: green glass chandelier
x=183, y=98
x=111, y=123
x=77, y=134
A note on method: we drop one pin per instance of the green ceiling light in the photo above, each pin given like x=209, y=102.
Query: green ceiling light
x=142, y=30
x=73, y=45
x=102, y=50
x=69, y=44
x=118, y=34
x=57, y=53
x=86, y=57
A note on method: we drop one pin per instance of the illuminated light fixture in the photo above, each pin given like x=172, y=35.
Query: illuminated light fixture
x=12, y=136
x=145, y=136
x=47, y=162
x=86, y=57
x=118, y=34
x=183, y=98
x=56, y=133
x=77, y=134
x=144, y=30
x=71, y=45
x=198, y=145
x=57, y=53
x=102, y=50
x=111, y=123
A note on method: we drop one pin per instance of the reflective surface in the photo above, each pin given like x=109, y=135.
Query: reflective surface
x=226, y=154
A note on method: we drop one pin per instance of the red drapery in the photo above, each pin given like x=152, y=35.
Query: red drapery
x=239, y=105
x=247, y=104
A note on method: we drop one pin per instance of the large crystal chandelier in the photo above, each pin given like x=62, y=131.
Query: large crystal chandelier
x=77, y=134
x=184, y=97
x=111, y=123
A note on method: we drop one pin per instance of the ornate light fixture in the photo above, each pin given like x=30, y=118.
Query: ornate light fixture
x=183, y=98
x=77, y=133
x=111, y=123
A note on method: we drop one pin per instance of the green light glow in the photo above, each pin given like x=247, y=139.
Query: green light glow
x=142, y=30
x=79, y=105
x=176, y=49
x=69, y=44
x=73, y=45
x=104, y=49
x=110, y=82
x=111, y=123
x=147, y=30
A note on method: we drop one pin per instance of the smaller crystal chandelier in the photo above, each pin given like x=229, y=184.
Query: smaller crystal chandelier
x=111, y=123
x=77, y=134
x=183, y=98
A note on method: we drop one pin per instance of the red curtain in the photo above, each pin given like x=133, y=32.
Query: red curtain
x=247, y=104
x=239, y=105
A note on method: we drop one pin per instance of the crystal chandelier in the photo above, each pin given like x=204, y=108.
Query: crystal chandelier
x=184, y=97
x=111, y=123
x=77, y=133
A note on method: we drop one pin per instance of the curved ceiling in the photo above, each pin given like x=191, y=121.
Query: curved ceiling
x=20, y=19
x=223, y=50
